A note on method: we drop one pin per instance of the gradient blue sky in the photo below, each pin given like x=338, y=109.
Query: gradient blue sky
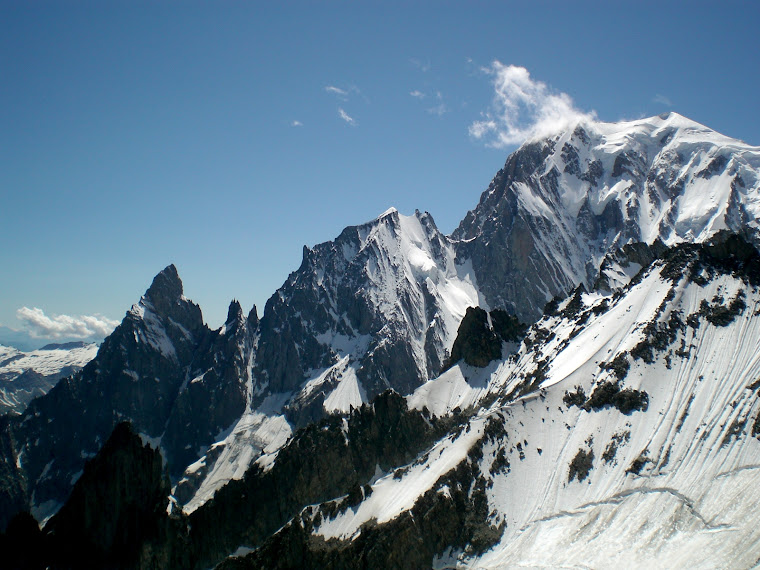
x=216, y=135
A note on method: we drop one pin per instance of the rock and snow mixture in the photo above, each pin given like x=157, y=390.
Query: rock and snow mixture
x=622, y=430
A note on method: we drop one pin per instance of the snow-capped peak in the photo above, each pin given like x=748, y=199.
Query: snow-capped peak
x=561, y=204
x=387, y=212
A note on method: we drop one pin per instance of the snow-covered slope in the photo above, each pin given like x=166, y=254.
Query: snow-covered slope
x=623, y=433
x=672, y=483
x=26, y=375
x=561, y=204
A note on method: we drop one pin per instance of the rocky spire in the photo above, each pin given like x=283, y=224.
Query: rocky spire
x=165, y=290
x=234, y=315
x=253, y=317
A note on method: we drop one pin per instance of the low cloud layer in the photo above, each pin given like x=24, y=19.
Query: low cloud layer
x=43, y=326
x=523, y=109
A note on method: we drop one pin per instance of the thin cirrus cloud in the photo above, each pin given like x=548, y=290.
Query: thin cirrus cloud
x=423, y=66
x=440, y=108
x=336, y=91
x=341, y=93
x=344, y=95
x=346, y=117
x=523, y=109
x=662, y=100
x=43, y=326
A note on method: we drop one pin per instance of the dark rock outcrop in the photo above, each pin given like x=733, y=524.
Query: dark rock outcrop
x=116, y=516
x=457, y=519
x=14, y=495
x=117, y=513
x=481, y=334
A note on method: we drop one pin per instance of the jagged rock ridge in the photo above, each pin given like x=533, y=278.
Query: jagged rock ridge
x=388, y=294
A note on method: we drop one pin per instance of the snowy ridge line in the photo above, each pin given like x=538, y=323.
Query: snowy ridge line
x=392, y=496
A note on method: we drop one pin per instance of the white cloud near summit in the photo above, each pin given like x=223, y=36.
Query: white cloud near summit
x=41, y=325
x=523, y=109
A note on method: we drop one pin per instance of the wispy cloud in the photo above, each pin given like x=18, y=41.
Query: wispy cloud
x=523, y=109
x=346, y=117
x=336, y=91
x=41, y=325
x=343, y=93
x=296, y=124
x=663, y=100
x=423, y=66
x=441, y=108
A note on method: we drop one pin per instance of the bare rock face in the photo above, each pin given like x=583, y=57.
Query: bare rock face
x=214, y=394
x=377, y=294
x=481, y=336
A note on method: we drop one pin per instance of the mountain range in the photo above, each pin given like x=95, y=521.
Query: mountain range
x=26, y=375
x=569, y=378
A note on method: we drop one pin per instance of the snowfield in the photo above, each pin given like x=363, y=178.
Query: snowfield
x=25, y=375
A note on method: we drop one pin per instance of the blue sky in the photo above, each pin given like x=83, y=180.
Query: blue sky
x=223, y=136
